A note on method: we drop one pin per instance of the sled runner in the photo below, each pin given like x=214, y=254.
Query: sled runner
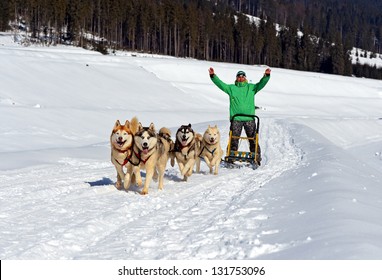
x=239, y=158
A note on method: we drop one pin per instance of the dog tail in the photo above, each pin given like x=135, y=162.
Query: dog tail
x=165, y=142
x=198, y=137
x=198, y=141
x=165, y=131
x=134, y=124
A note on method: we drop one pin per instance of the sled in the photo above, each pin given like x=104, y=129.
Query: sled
x=237, y=159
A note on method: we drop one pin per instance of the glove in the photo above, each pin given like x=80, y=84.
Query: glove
x=267, y=72
x=211, y=71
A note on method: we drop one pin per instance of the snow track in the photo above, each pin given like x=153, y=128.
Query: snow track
x=71, y=210
x=316, y=195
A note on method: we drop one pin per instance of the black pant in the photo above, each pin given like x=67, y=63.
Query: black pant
x=250, y=131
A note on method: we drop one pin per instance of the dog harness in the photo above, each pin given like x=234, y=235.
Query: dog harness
x=179, y=149
x=205, y=147
x=138, y=155
x=127, y=158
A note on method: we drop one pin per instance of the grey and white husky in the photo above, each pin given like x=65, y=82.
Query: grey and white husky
x=150, y=153
x=186, y=149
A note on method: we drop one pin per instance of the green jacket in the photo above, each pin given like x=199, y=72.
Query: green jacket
x=241, y=96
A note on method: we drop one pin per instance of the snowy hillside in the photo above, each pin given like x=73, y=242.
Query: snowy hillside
x=317, y=194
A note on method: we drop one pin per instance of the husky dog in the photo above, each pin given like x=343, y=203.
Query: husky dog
x=186, y=149
x=210, y=150
x=150, y=152
x=165, y=146
x=144, y=157
x=121, y=142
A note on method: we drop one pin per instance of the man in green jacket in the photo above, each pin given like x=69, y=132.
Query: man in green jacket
x=242, y=101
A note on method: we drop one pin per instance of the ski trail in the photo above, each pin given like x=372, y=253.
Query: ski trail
x=207, y=217
x=190, y=223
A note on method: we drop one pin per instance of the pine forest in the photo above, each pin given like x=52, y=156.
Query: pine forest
x=308, y=35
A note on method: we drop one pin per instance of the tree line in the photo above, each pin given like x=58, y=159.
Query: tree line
x=310, y=35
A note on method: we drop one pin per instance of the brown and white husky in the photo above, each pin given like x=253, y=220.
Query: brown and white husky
x=121, y=142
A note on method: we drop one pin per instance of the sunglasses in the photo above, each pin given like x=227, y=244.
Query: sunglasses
x=240, y=76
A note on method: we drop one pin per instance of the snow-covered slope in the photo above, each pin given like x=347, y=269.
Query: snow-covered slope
x=317, y=194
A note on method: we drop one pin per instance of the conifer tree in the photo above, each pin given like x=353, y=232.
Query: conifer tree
x=4, y=15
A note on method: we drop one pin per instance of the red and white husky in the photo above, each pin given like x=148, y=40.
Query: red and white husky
x=121, y=141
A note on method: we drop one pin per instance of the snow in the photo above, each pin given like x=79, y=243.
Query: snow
x=317, y=195
x=372, y=59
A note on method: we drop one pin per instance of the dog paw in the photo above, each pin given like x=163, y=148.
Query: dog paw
x=118, y=185
x=126, y=185
x=183, y=172
x=144, y=192
x=139, y=182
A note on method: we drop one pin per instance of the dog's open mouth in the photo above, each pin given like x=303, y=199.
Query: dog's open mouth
x=145, y=150
x=184, y=142
x=121, y=143
x=212, y=140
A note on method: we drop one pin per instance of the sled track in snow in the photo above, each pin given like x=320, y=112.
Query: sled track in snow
x=207, y=217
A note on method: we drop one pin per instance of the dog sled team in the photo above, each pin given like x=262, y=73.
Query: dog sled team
x=135, y=147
